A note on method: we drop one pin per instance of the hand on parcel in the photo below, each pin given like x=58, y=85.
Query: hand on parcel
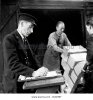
x=40, y=72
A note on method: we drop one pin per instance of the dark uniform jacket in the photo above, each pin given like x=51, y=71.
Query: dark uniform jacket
x=16, y=61
x=88, y=76
x=90, y=49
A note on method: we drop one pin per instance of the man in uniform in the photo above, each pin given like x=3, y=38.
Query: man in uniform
x=18, y=56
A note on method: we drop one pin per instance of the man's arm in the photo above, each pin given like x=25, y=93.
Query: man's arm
x=12, y=59
x=53, y=43
x=58, y=49
x=67, y=42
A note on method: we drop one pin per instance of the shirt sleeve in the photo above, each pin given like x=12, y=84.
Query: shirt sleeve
x=52, y=42
x=67, y=42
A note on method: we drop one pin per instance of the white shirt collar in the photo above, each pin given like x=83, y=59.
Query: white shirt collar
x=20, y=34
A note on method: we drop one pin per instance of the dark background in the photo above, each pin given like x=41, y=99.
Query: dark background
x=47, y=19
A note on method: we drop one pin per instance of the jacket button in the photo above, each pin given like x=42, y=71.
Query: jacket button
x=26, y=62
x=26, y=52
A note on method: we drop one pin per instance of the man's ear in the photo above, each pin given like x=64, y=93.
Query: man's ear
x=22, y=23
x=86, y=26
x=57, y=28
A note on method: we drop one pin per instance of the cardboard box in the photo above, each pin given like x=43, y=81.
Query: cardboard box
x=79, y=67
x=75, y=49
x=73, y=64
x=73, y=76
x=65, y=66
x=68, y=80
x=75, y=58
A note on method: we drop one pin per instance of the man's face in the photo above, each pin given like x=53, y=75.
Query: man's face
x=27, y=28
x=60, y=28
x=89, y=28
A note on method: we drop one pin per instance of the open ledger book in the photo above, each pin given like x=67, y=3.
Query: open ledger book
x=50, y=74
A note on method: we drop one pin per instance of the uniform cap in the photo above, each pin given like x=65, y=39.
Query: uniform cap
x=27, y=17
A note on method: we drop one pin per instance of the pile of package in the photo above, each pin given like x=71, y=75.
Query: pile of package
x=72, y=64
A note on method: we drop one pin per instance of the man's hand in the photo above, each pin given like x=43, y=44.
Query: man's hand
x=40, y=72
x=65, y=52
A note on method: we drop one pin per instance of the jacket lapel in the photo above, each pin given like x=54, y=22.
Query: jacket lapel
x=20, y=41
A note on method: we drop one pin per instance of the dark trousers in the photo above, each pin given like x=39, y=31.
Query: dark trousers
x=88, y=88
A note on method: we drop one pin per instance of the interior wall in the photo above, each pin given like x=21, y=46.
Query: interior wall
x=47, y=19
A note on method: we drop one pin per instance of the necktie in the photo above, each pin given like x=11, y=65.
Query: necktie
x=25, y=43
x=27, y=46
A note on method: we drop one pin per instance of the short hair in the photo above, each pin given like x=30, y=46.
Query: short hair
x=59, y=22
x=89, y=21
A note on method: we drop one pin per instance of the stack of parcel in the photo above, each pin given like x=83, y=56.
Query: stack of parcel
x=72, y=64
